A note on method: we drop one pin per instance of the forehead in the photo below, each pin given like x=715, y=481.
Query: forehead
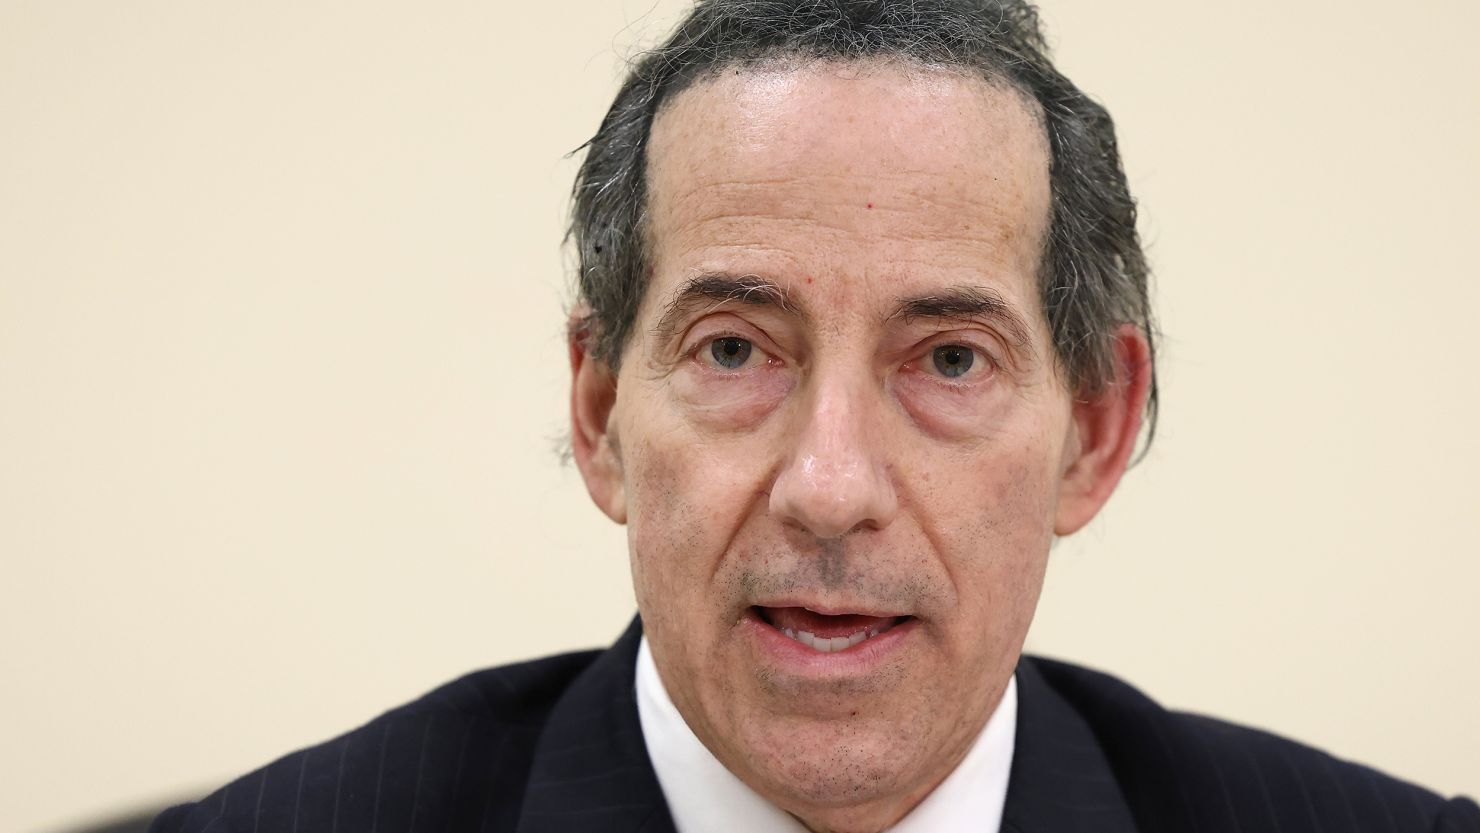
x=875, y=177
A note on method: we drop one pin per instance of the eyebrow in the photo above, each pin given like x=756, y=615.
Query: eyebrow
x=969, y=303
x=715, y=288
x=962, y=303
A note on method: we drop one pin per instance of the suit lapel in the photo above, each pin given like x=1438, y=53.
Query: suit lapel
x=1060, y=780
x=591, y=769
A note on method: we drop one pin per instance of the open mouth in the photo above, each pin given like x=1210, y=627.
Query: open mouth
x=827, y=633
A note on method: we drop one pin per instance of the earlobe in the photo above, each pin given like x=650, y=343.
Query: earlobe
x=593, y=397
x=1104, y=431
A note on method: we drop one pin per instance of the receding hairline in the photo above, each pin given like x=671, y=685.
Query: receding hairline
x=987, y=82
x=793, y=61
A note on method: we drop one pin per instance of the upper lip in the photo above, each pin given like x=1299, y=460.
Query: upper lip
x=836, y=608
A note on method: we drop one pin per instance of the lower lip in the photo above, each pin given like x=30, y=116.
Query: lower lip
x=782, y=650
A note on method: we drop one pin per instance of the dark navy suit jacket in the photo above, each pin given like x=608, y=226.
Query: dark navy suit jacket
x=555, y=745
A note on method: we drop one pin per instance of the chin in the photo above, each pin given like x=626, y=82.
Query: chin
x=867, y=727
x=806, y=766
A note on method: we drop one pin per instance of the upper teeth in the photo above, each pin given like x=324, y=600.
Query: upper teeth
x=826, y=645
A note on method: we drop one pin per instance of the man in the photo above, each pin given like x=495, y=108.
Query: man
x=863, y=328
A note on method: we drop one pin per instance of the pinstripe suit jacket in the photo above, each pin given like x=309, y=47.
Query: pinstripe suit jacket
x=555, y=745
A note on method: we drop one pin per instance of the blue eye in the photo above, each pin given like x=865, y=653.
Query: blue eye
x=953, y=359
x=730, y=352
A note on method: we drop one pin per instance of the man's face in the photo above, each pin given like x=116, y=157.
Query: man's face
x=840, y=415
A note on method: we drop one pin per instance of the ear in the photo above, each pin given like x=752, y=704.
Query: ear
x=593, y=394
x=1103, y=433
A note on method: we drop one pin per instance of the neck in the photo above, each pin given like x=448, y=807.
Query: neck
x=872, y=817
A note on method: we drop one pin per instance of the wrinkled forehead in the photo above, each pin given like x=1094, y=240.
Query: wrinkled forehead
x=896, y=160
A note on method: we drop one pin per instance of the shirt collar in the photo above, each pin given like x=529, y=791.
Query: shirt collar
x=705, y=797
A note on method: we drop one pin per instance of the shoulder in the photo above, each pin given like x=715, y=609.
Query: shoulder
x=434, y=761
x=1182, y=771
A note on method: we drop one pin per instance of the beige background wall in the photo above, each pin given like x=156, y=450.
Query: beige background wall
x=281, y=375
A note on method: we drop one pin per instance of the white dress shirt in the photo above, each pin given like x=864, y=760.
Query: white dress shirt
x=705, y=797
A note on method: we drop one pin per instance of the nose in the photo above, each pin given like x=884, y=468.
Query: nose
x=837, y=478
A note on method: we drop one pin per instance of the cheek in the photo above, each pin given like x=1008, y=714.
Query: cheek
x=664, y=515
x=686, y=502
x=993, y=523
x=1019, y=520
